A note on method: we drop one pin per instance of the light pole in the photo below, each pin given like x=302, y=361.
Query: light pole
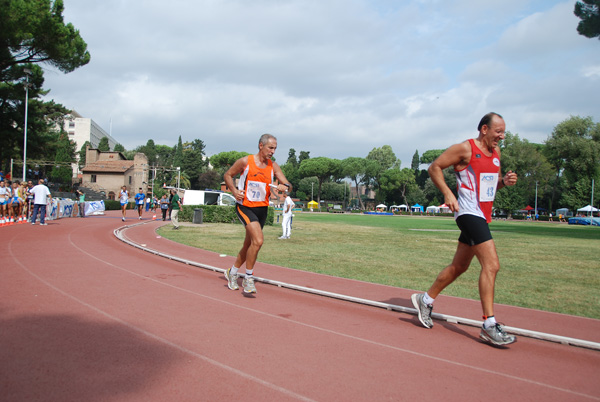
x=27, y=73
x=178, y=176
x=536, y=198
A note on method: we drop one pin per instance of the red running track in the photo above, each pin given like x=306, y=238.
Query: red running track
x=86, y=317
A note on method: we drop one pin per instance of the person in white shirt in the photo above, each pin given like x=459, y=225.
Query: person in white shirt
x=286, y=223
x=41, y=194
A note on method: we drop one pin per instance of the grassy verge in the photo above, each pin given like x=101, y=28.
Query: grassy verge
x=546, y=266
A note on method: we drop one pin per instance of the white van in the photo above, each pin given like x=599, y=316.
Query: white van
x=207, y=197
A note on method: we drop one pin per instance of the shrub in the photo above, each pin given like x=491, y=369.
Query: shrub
x=217, y=214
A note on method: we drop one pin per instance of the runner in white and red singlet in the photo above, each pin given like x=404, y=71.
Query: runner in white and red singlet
x=476, y=163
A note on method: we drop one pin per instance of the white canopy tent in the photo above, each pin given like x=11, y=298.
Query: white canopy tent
x=588, y=208
x=400, y=207
x=381, y=206
x=432, y=209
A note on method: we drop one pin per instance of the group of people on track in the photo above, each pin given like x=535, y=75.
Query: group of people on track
x=18, y=200
x=169, y=206
x=476, y=164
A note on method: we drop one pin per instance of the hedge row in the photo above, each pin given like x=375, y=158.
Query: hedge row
x=211, y=213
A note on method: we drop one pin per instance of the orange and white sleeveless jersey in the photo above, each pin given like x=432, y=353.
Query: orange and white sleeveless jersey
x=255, y=181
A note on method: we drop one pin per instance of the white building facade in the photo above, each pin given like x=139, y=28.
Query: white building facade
x=81, y=129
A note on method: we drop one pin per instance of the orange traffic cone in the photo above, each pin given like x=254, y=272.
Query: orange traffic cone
x=2, y=223
x=154, y=217
x=12, y=221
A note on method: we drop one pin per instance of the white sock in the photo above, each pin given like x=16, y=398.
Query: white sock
x=427, y=299
x=249, y=272
x=489, y=322
x=234, y=270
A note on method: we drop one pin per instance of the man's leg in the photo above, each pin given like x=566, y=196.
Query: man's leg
x=252, y=244
x=490, y=265
x=491, y=332
x=460, y=263
x=423, y=302
x=34, y=214
x=175, y=218
x=43, y=214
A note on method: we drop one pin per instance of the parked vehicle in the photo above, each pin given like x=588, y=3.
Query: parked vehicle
x=207, y=197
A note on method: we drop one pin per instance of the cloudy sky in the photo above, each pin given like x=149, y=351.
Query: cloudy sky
x=333, y=77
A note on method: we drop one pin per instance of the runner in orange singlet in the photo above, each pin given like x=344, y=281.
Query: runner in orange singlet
x=252, y=195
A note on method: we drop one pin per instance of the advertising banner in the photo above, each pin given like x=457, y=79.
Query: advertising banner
x=65, y=208
x=94, y=208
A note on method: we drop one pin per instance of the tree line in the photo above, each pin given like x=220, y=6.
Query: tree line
x=33, y=32
x=560, y=170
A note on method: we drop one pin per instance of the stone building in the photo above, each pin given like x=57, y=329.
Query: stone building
x=107, y=172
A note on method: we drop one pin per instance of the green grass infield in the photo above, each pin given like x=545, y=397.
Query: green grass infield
x=546, y=266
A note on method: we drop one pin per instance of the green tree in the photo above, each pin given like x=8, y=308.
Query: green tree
x=223, y=160
x=429, y=156
x=178, y=157
x=588, y=12
x=396, y=185
x=35, y=32
x=385, y=156
x=119, y=148
x=385, y=159
x=82, y=154
x=292, y=160
x=193, y=162
x=415, y=161
x=532, y=168
x=355, y=169
x=322, y=168
x=303, y=155
x=573, y=150
x=62, y=172
x=209, y=179
x=149, y=150
x=306, y=188
x=103, y=145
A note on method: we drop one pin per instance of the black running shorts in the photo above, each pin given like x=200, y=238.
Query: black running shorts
x=474, y=230
x=255, y=214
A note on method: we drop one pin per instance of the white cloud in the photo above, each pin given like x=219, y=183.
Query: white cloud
x=336, y=78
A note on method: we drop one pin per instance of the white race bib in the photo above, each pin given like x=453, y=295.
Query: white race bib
x=257, y=191
x=488, y=182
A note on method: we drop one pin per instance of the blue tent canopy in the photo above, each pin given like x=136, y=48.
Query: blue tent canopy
x=417, y=208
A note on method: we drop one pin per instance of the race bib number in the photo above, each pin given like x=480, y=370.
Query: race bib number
x=257, y=191
x=488, y=182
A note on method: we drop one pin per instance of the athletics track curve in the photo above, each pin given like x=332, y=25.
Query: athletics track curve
x=85, y=316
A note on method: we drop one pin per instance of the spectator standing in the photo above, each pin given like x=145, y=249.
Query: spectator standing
x=175, y=206
x=286, y=221
x=81, y=204
x=41, y=194
x=164, y=206
x=29, y=198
